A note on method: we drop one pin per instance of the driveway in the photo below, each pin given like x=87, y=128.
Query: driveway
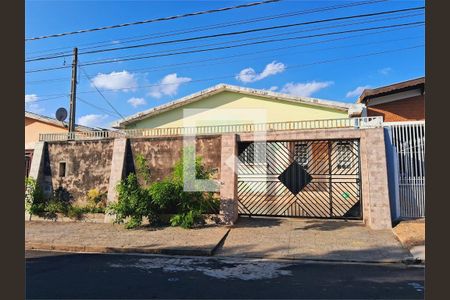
x=334, y=240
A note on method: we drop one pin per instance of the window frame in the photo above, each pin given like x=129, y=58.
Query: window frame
x=305, y=153
x=344, y=154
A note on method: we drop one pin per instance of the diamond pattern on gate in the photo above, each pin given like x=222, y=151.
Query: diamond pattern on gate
x=295, y=178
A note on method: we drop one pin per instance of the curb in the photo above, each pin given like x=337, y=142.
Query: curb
x=323, y=260
x=129, y=250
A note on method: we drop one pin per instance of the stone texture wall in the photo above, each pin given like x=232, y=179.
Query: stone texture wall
x=88, y=166
x=163, y=153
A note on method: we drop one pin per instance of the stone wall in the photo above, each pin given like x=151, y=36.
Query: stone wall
x=163, y=153
x=88, y=166
x=88, y=163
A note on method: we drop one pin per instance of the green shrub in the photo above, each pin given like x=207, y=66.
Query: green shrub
x=165, y=195
x=187, y=219
x=142, y=170
x=188, y=206
x=34, y=198
x=76, y=212
x=96, y=201
x=133, y=202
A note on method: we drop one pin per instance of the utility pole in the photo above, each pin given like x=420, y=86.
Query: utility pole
x=73, y=91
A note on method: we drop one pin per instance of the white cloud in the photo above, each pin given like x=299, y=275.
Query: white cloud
x=305, y=89
x=30, y=104
x=273, y=88
x=357, y=91
x=92, y=120
x=135, y=102
x=168, y=86
x=249, y=74
x=124, y=81
x=385, y=71
x=31, y=98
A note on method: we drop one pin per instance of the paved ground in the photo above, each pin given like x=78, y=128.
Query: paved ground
x=311, y=239
x=100, y=237
x=114, y=276
x=256, y=237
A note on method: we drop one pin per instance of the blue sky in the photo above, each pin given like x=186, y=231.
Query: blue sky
x=333, y=67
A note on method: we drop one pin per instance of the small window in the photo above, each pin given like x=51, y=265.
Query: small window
x=301, y=154
x=245, y=152
x=345, y=155
x=62, y=169
x=253, y=153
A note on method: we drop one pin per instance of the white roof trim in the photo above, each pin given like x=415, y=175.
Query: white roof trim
x=231, y=88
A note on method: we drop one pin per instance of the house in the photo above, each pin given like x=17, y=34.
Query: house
x=207, y=108
x=398, y=102
x=314, y=158
x=402, y=106
x=36, y=124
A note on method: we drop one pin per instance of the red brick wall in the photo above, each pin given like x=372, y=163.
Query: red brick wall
x=410, y=109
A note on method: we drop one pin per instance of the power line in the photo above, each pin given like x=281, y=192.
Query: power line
x=101, y=94
x=231, y=33
x=209, y=27
x=207, y=61
x=54, y=97
x=233, y=46
x=249, y=44
x=288, y=67
x=98, y=107
x=166, y=66
x=210, y=11
x=268, y=36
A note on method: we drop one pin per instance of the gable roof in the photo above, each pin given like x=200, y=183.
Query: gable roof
x=230, y=88
x=398, y=87
x=55, y=122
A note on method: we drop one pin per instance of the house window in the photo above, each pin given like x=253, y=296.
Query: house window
x=344, y=155
x=252, y=153
x=301, y=153
x=62, y=169
x=245, y=152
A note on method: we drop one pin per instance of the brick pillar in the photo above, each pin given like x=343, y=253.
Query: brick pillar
x=375, y=192
x=117, y=171
x=228, y=179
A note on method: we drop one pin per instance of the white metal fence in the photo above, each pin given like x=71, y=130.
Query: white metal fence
x=365, y=122
x=408, y=142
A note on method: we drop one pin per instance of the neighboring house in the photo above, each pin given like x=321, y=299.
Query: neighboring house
x=403, y=101
x=36, y=124
x=279, y=108
x=402, y=106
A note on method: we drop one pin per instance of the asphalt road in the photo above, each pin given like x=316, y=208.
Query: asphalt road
x=94, y=276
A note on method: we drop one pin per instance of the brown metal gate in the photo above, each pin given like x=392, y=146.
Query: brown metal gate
x=319, y=178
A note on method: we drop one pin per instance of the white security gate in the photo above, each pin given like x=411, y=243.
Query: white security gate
x=407, y=140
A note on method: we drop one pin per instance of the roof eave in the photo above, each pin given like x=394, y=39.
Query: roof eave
x=224, y=87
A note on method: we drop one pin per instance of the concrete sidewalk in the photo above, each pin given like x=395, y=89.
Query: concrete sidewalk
x=282, y=238
x=100, y=237
x=312, y=239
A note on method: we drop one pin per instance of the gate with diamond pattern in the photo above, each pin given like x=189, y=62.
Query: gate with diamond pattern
x=319, y=179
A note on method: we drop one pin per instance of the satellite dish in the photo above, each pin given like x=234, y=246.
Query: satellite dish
x=61, y=114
